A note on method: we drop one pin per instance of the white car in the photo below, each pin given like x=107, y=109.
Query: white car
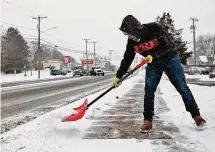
x=194, y=70
x=96, y=71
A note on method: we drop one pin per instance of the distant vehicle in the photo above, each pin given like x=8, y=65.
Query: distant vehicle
x=212, y=74
x=68, y=71
x=57, y=72
x=86, y=71
x=194, y=70
x=79, y=70
x=206, y=70
x=96, y=71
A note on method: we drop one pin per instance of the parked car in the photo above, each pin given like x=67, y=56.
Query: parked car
x=206, y=70
x=86, y=71
x=68, y=71
x=212, y=74
x=194, y=70
x=96, y=71
x=79, y=70
x=57, y=72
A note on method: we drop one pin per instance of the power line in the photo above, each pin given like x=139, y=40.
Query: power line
x=19, y=26
x=17, y=5
x=27, y=10
x=63, y=40
x=35, y=36
x=52, y=43
x=63, y=47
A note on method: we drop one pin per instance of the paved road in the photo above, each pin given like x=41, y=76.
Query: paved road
x=15, y=83
x=20, y=97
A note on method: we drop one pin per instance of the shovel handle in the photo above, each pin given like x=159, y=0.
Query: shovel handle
x=147, y=60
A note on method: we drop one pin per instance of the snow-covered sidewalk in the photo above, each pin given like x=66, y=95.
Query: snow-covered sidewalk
x=47, y=133
x=205, y=98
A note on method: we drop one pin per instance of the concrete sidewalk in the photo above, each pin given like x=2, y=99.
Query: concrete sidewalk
x=124, y=118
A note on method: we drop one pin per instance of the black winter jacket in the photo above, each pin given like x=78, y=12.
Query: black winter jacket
x=154, y=41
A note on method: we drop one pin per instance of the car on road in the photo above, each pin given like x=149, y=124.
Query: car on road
x=212, y=74
x=194, y=70
x=96, y=71
x=79, y=70
x=55, y=72
x=206, y=70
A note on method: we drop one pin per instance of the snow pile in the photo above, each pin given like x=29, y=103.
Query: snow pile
x=44, y=74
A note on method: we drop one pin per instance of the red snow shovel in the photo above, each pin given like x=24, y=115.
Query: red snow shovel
x=80, y=111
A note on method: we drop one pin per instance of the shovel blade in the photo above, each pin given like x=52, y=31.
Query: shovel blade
x=78, y=115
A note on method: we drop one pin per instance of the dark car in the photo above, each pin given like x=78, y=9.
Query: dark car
x=212, y=74
x=68, y=71
x=57, y=72
x=206, y=70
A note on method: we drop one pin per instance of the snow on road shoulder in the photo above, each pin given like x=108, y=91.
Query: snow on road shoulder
x=200, y=77
x=48, y=133
x=205, y=98
x=44, y=74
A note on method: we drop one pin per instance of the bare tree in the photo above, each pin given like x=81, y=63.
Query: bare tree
x=206, y=46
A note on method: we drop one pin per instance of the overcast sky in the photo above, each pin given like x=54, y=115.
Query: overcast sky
x=99, y=20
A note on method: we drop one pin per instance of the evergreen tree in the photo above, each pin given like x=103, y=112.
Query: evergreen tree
x=14, y=51
x=168, y=24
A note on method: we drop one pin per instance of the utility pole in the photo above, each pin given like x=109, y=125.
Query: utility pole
x=86, y=40
x=94, y=47
x=213, y=48
x=110, y=54
x=193, y=27
x=38, y=48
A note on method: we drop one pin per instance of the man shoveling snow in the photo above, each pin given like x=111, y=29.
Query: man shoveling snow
x=152, y=39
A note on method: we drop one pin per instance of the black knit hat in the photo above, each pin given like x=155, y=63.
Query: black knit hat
x=129, y=24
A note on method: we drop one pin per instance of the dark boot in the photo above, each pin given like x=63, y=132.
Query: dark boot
x=146, y=127
x=199, y=121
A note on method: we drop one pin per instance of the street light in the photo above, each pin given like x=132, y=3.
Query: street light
x=48, y=30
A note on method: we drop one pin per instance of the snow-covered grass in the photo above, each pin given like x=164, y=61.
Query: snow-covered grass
x=48, y=133
x=44, y=74
x=205, y=98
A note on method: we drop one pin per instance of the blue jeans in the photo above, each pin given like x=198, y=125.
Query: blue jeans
x=173, y=70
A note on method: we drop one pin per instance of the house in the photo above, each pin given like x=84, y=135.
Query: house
x=203, y=59
x=52, y=63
